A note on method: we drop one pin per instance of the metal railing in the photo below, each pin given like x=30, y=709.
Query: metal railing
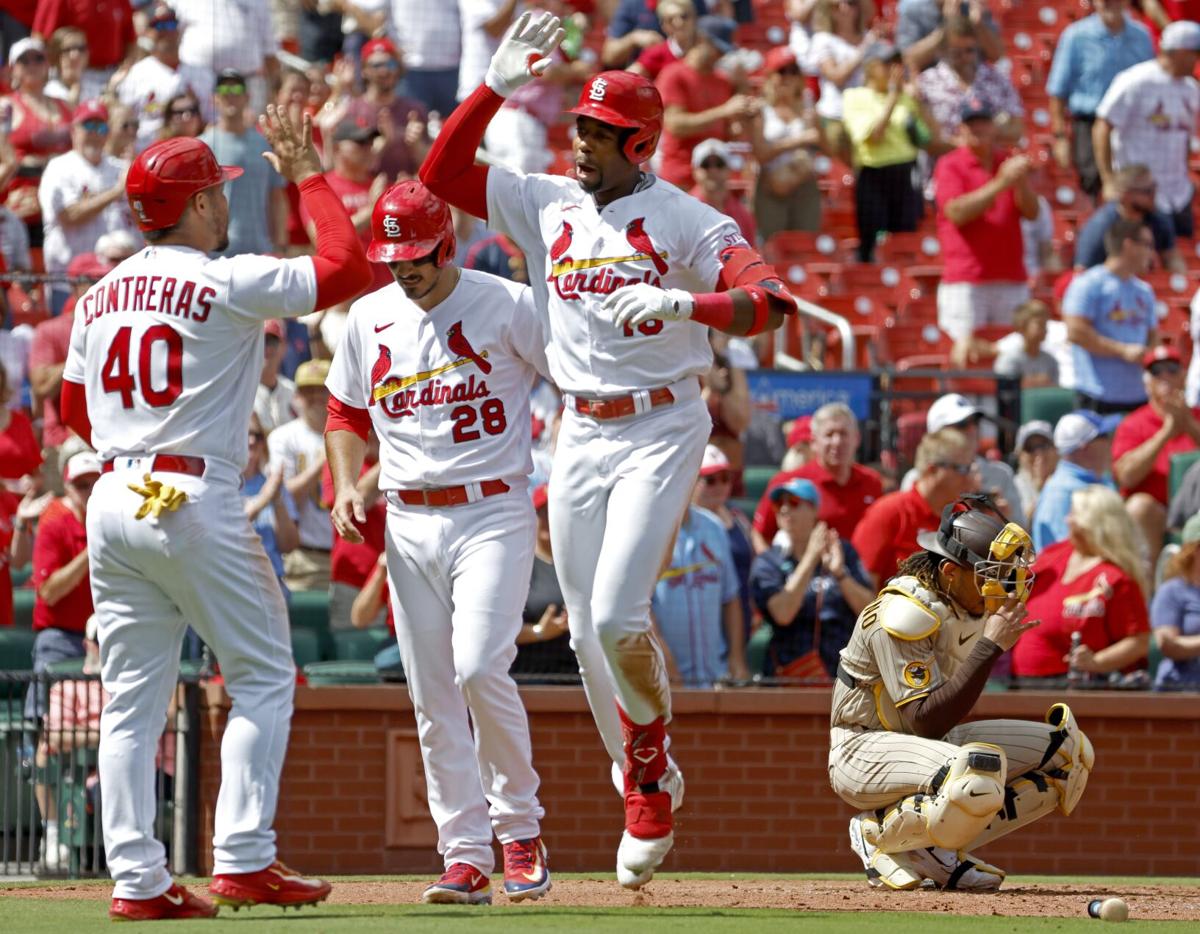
x=50, y=793
x=806, y=309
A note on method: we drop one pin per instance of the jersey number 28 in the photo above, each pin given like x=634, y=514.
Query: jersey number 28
x=117, y=373
x=491, y=414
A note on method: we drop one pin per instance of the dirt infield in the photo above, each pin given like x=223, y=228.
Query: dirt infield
x=1063, y=900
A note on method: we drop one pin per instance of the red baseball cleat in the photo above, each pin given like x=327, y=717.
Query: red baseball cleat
x=526, y=875
x=175, y=904
x=275, y=885
x=460, y=884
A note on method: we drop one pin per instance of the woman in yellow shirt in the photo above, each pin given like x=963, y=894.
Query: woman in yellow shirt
x=886, y=124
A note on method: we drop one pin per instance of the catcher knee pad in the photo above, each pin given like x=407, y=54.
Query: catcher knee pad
x=1069, y=757
x=1027, y=798
x=969, y=797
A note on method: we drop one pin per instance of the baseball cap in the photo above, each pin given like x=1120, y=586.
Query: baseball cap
x=378, y=45
x=230, y=76
x=777, y=59
x=354, y=132
x=800, y=432
x=975, y=108
x=799, y=488
x=90, y=110
x=273, y=327
x=163, y=17
x=1075, y=429
x=88, y=266
x=83, y=464
x=1038, y=428
x=719, y=31
x=540, y=496
x=21, y=46
x=950, y=409
x=1160, y=353
x=711, y=147
x=117, y=245
x=312, y=373
x=714, y=461
x=1181, y=36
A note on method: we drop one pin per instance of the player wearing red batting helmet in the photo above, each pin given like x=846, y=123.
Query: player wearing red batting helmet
x=165, y=178
x=413, y=233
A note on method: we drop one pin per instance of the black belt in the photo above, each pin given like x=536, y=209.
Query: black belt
x=846, y=678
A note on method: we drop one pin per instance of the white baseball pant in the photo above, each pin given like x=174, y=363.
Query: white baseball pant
x=459, y=577
x=618, y=492
x=201, y=565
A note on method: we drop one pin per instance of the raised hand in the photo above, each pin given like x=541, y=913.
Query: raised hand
x=292, y=152
x=524, y=53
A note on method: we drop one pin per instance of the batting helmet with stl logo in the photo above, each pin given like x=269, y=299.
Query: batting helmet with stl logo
x=166, y=175
x=629, y=101
x=409, y=221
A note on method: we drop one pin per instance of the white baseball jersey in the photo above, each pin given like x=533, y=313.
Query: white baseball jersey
x=578, y=254
x=150, y=84
x=295, y=446
x=169, y=347
x=67, y=179
x=448, y=389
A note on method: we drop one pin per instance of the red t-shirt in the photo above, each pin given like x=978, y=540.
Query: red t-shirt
x=656, y=58
x=8, y=510
x=734, y=208
x=351, y=563
x=354, y=197
x=51, y=339
x=989, y=249
x=1104, y=604
x=1137, y=428
x=841, y=506
x=60, y=537
x=682, y=86
x=887, y=532
x=19, y=453
x=108, y=25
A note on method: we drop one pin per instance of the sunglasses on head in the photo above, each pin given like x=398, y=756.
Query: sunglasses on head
x=228, y=90
x=95, y=126
x=723, y=476
x=1165, y=368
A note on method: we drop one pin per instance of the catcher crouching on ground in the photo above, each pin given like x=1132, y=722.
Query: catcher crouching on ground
x=930, y=787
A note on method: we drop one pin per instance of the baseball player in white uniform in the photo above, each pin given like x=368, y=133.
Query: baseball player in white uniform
x=620, y=261
x=931, y=787
x=440, y=364
x=165, y=355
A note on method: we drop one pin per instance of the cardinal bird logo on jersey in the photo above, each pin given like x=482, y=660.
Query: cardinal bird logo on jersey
x=560, y=246
x=380, y=370
x=458, y=343
x=635, y=234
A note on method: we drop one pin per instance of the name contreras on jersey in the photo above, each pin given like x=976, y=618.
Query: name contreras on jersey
x=163, y=294
x=407, y=401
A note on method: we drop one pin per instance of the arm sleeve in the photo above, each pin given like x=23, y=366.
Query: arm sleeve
x=1166, y=609
x=342, y=417
x=1127, y=437
x=1116, y=103
x=345, y=380
x=341, y=266
x=449, y=170
x=945, y=706
x=1075, y=301
x=948, y=181
x=1062, y=67
x=858, y=113
x=766, y=580
x=1126, y=615
x=716, y=232
x=529, y=332
x=908, y=669
x=73, y=409
x=908, y=30
x=764, y=517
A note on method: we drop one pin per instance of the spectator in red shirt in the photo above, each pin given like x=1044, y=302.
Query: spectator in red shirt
x=846, y=487
x=887, y=532
x=799, y=444
x=1148, y=437
x=9, y=504
x=60, y=574
x=982, y=194
x=19, y=454
x=698, y=102
x=351, y=564
x=1093, y=583
x=712, y=163
x=678, y=20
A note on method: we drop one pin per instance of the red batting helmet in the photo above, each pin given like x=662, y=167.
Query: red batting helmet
x=166, y=175
x=409, y=221
x=621, y=98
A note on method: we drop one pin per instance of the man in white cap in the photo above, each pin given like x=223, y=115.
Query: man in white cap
x=955, y=410
x=712, y=165
x=1148, y=115
x=1084, y=443
x=1036, y=461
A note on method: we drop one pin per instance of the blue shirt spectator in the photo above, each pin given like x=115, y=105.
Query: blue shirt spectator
x=1089, y=244
x=264, y=522
x=1120, y=307
x=1176, y=608
x=696, y=605
x=1089, y=55
x=1084, y=443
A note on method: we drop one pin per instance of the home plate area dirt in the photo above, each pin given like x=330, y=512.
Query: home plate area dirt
x=1067, y=900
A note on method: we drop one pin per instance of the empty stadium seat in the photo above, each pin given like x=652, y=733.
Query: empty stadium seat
x=755, y=480
x=306, y=646
x=1047, y=403
x=23, y=599
x=328, y=674
x=359, y=645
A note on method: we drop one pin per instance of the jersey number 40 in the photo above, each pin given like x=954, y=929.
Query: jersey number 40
x=117, y=373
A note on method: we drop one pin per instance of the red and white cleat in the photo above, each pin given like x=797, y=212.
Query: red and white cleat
x=526, y=874
x=275, y=885
x=649, y=819
x=460, y=884
x=175, y=904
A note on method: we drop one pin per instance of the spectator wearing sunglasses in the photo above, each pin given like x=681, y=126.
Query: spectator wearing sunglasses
x=677, y=19
x=1036, y=461
x=73, y=80
x=712, y=492
x=122, y=132
x=182, y=116
x=887, y=533
x=82, y=195
x=160, y=76
x=712, y=165
x=1134, y=189
x=1148, y=437
x=104, y=30
x=258, y=204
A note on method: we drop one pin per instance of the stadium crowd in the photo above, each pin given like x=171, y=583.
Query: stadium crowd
x=1027, y=164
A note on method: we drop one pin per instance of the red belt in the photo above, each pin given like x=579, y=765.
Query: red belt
x=169, y=463
x=621, y=406
x=450, y=495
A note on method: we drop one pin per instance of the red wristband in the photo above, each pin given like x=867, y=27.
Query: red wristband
x=714, y=309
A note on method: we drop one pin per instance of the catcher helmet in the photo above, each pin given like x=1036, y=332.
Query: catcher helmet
x=409, y=221
x=629, y=101
x=166, y=175
x=975, y=534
